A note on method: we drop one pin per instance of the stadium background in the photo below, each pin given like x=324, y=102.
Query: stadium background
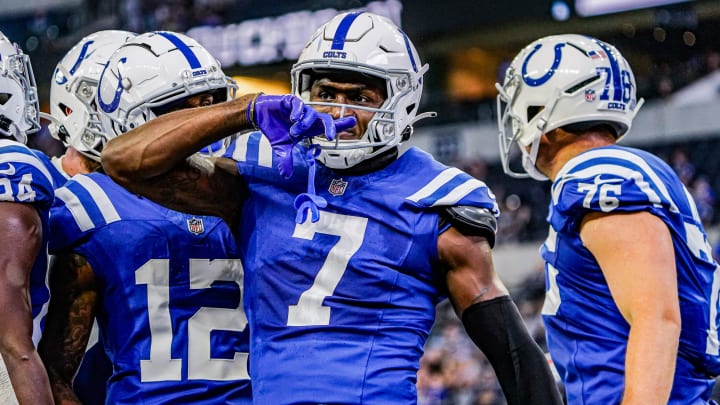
x=673, y=46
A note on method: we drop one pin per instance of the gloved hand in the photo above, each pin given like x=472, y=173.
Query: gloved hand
x=286, y=120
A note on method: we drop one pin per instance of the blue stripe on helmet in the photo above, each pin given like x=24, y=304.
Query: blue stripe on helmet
x=615, y=69
x=182, y=47
x=409, y=50
x=342, y=30
x=81, y=57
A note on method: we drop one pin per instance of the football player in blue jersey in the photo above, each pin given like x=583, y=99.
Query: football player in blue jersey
x=349, y=246
x=631, y=310
x=165, y=286
x=75, y=121
x=26, y=193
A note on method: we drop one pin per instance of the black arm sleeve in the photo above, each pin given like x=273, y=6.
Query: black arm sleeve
x=524, y=374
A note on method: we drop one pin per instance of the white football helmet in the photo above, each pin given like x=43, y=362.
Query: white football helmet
x=74, y=118
x=151, y=74
x=19, y=107
x=372, y=45
x=557, y=81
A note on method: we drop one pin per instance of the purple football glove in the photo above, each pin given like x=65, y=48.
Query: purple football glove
x=286, y=120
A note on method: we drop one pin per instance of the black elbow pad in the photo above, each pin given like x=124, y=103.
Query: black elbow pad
x=471, y=221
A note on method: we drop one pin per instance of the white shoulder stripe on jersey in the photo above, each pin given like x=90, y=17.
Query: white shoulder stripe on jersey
x=711, y=342
x=693, y=207
x=621, y=171
x=551, y=240
x=619, y=154
x=9, y=142
x=458, y=193
x=37, y=321
x=435, y=184
x=265, y=154
x=107, y=209
x=240, y=152
x=26, y=158
x=72, y=202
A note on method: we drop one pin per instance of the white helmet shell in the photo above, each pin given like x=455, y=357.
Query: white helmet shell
x=19, y=106
x=370, y=44
x=74, y=116
x=153, y=72
x=557, y=81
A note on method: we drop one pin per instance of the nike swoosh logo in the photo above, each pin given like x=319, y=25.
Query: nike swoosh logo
x=600, y=180
x=9, y=171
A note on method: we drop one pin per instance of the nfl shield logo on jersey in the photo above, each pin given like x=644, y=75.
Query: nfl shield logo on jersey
x=195, y=225
x=337, y=187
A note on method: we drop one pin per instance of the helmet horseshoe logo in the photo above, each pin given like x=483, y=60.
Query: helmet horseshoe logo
x=108, y=108
x=544, y=78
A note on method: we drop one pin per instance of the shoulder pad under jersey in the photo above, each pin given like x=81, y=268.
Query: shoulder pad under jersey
x=471, y=221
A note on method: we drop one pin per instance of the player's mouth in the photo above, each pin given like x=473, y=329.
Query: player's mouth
x=346, y=135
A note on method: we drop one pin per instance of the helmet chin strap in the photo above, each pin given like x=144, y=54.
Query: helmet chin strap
x=528, y=162
x=634, y=113
x=427, y=114
x=530, y=158
x=408, y=131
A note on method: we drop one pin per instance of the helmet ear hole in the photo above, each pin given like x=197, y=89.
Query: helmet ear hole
x=65, y=109
x=5, y=123
x=533, y=111
x=63, y=133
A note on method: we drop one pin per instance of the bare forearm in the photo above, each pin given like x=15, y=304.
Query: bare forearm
x=68, y=323
x=470, y=276
x=21, y=238
x=157, y=146
x=62, y=390
x=24, y=367
x=63, y=349
x=28, y=377
x=650, y=361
